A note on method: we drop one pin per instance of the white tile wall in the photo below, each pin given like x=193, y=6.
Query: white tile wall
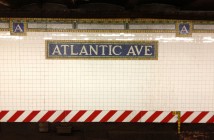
x=182, y=79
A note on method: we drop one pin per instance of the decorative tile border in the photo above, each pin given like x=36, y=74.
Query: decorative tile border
x=18, y=27
x=4, y=24
x=50, y=25
x=183, y=29
x=154, y=28
x=206, y=27
x=108, y=25
x=96, y=26
x=203, y=27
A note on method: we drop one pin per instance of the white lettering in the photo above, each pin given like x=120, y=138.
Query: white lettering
x=56, y=51
x=95, y=51
x=103, y=48
x=138, y=51
x=72, y=50
x=18, y=28
x=83, y=51
x=147, y=50
x=64, y=48
x=131, y=51
x=110, y=49
x=113, y=50
x=184, y=30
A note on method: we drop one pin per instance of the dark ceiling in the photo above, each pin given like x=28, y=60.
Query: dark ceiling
x=168, y=9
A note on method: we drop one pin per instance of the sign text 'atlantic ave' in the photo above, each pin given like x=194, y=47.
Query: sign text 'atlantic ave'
x=92, y=49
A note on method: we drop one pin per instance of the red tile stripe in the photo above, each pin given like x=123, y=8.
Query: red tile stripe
x=199, y=117
x=77, y=116
x=108, y=116
x=154, y=116
x=47, y=116
x=31, y=116
x=185, y=116
x=168, y=118
x=138, y=116
x=2, y=114
x=62, y=116
x=211, y=120
x=93, y=116
x=123, y=116
x=15, y=116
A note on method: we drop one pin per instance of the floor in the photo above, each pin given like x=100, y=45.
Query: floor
x=105, y=131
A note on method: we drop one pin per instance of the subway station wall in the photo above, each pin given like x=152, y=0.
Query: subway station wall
x=181, y=79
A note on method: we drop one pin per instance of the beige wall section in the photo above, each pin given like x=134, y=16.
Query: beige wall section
x=152, y=26
x=181, y=79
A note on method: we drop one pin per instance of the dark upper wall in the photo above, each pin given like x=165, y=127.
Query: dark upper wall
x=169, y=9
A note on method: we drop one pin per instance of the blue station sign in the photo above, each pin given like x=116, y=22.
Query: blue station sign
x=57, y=49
